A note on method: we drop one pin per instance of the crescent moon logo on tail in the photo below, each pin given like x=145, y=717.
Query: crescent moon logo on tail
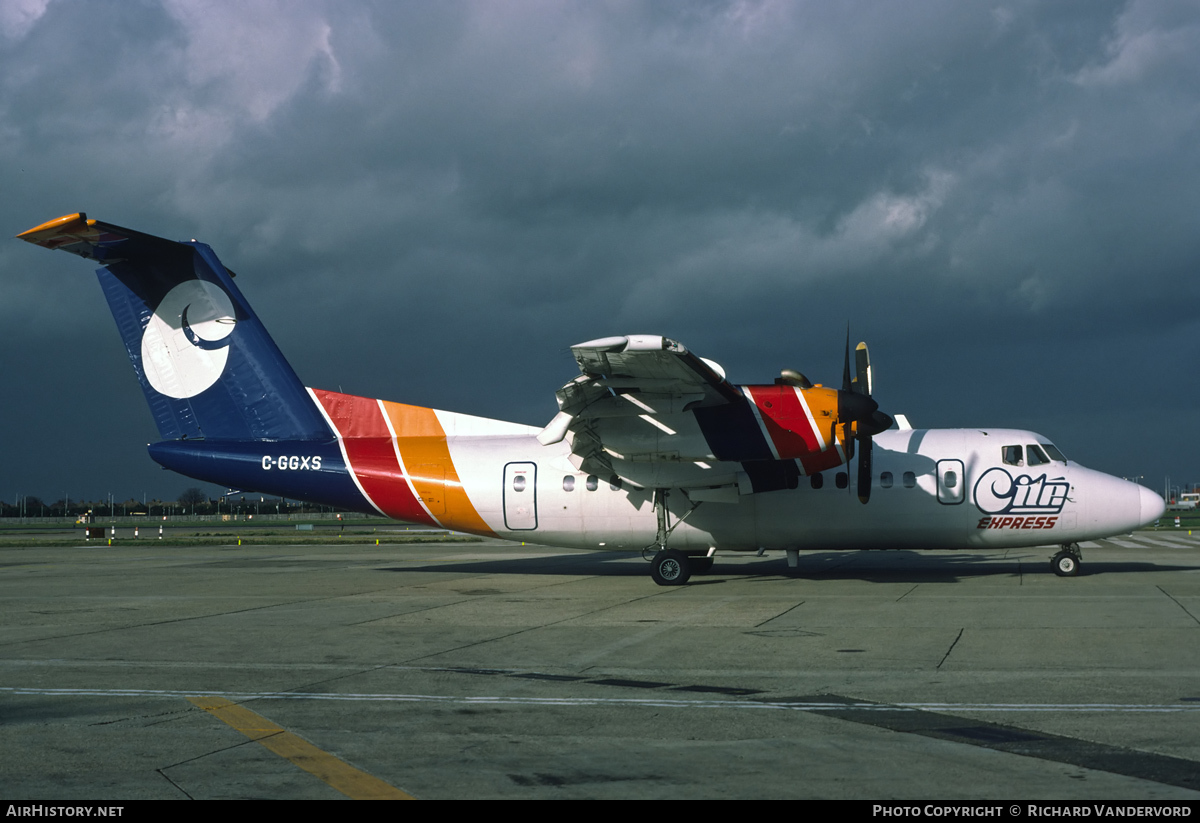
x=186, y=343
x=198, y=341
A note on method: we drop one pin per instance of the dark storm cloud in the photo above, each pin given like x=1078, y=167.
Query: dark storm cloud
x=430, y=202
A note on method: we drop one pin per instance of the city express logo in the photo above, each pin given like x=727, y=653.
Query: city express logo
x=1023, y=502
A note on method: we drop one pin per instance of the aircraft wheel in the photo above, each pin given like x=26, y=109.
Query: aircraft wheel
x=670, y=568
x=700, y=565
x=1065, y=564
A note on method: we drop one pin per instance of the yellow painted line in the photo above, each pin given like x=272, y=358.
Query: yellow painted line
x=355, y=784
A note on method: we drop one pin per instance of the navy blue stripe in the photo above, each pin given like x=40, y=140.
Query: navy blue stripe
x=287, y=469
x=733, y=432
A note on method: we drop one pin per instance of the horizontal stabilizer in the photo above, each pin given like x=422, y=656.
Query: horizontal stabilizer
x=102, y=242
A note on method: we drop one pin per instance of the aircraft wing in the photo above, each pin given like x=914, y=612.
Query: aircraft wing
x=638, y=411
x=636, y=376
x=648, y=411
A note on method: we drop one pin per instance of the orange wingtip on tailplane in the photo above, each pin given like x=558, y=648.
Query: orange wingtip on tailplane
x=45, y=234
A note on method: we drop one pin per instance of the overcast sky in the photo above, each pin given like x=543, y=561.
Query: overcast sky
x=430, y=203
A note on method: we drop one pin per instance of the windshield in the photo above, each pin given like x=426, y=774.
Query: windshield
x=1054, y=453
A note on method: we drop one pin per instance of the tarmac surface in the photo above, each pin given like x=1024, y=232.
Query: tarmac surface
x=494, y=670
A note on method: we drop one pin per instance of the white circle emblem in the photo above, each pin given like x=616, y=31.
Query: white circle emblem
x=184, y=347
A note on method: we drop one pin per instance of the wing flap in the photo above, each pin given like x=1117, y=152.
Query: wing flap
x=628, y=413
x=651, y=363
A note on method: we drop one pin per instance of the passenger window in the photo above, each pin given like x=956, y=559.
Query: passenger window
x=1036, y=456
x=910, y=480
x=950, y=479
x=615, y=483
x=592, y=483
x=569, y=483
x=885, y=480
x=1012, y=456
x=841, y=480
x=519, y=483
x=817, y=480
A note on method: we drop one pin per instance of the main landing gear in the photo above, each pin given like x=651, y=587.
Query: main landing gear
x=1066, y=562
x=671, y=567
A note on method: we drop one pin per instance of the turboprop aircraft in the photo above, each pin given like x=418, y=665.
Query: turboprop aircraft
x=653, y=447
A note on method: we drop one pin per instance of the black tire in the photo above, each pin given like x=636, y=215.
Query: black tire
x=1065, y=564
x=670, y=568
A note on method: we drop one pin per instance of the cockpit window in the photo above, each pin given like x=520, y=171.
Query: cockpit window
x=1054, y=453
x=1012, y=455
x=1037, y=457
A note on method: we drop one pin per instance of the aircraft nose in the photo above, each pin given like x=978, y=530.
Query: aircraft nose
x=1152, y=505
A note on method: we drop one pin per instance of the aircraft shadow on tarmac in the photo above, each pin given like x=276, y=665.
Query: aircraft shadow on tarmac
x=892, y=566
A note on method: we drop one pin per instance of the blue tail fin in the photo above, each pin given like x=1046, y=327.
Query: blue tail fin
x=206, y=364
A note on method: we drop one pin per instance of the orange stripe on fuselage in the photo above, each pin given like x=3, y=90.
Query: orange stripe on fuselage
x=371, y=454
x=426, y=455
x=822, y=403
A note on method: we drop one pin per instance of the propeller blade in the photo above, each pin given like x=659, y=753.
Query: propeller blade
x=864, y=470
x=862, y=367
x=857, y=407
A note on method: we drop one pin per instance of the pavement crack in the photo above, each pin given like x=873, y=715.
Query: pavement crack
x=153, y=719
x=788, y=610
x=179, y=788
x=531, y=628
x=1177, y=603
x=952, y=645
x=414, y=611
x=168, y=621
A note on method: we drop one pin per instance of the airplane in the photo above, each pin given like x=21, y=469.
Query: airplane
x=652, y=449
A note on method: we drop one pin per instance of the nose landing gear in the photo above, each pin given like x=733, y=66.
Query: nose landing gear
x=1066, y=562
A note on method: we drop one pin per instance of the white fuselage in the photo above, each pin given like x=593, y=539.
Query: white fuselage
x=934, y=489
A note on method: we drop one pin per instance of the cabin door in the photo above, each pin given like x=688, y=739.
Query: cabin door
x=950, y=481
x=520, y=496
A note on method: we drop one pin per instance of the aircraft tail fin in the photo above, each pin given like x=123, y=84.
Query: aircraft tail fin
x=207, y=366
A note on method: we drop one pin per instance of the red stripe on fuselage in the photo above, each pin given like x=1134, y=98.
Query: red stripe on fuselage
x=785, y=422
x=371, y=454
